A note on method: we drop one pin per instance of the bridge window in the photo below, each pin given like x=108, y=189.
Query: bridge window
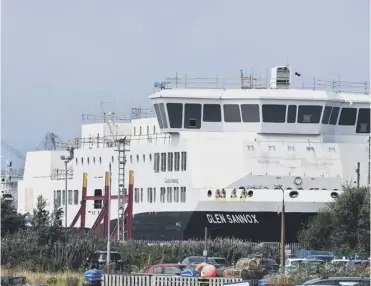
x=212, y=113
x=250, y=112
x=158, y=115
x=170, y=160
x=175, y=112
x=274, y=113
x=156, y=165
x=309, y=113
x=291, y=114
x=163, y=115
x=192, y=116
x=334, y=115
x=363, y=122
x=163, y=162
x=232, y=113
x=348, y=116
x=176, y=161
x=326, y=115
x=98, y=203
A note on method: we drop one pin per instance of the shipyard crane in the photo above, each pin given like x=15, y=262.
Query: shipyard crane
x=14, y=151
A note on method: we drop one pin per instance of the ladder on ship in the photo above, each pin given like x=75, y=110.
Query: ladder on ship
x=122, y=191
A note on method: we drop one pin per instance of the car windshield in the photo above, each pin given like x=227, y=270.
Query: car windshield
x=196, y=260
x=219, y=260
x=113, y=256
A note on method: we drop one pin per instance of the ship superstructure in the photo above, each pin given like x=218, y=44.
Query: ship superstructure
x=215, y=157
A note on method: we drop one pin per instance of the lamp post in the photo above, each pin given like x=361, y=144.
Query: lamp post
x=282, y=249
x=66, y=160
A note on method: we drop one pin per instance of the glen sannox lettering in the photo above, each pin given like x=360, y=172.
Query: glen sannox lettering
x=235, y=218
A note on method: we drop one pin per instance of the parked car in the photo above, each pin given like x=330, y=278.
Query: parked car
x=166, y=269
x=216, y=261
x=326, y=258
x=354, y=281
x=98, y=260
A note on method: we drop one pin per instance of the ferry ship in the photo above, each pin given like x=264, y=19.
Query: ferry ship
x=214, y=156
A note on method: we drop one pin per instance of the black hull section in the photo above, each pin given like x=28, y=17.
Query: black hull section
x=256, y=227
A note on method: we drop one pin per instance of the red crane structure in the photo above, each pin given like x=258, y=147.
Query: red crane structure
x=103, y=215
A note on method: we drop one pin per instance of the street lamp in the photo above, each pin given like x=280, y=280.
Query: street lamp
x=66, y=160
x=282, y=249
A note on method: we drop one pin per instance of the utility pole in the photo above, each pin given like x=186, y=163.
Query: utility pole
x=66, y=160
x=109, y=221
x=205, y=245
x=358, y=171
x=283, y=230
x=369, y=162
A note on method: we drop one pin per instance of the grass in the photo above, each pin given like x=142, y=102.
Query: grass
x=57, y=279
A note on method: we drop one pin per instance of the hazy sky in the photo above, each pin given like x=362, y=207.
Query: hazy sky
x=62, y=58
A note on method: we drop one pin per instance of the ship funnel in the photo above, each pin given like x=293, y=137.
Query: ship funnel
x=280, y=77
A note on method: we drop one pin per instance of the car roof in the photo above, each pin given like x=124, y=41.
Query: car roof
x=168, y=264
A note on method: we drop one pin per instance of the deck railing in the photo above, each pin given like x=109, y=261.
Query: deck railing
x=257, y=82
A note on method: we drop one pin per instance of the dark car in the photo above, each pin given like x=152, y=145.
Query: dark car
x=166, y=269
x=216, y=261
x=98, y=260
x=354, y=281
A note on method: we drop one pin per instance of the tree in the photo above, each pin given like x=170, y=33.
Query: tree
x=11, y=221
x=344, y=225
x=40, y=218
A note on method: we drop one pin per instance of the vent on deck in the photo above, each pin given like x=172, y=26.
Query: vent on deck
x=280, y=77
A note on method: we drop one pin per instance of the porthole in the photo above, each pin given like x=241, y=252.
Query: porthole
x=82, y=161
x=250, y=193
x=223, y=193
x=88, y=160
x=113, y=159
x=209, y=193
x=150, y=157
x=298, y=181
x=234, y=194
x=100, y=160
x=131, y=158
x=77, y=161
x=94, y=160
x=144, y=157
x=334, y=195
x=217, y=193
x=293, y=194
x=137, y=158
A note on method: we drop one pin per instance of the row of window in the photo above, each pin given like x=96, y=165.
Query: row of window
x=190, y=115
x=171, y=161
x=60, y=197
x=93, y=160
x=141, y=133
x=168, y=194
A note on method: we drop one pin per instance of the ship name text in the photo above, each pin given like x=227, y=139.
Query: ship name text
x=235, y=218
x=171, y=181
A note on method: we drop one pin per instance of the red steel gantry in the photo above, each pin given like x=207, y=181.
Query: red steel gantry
x=127, y=214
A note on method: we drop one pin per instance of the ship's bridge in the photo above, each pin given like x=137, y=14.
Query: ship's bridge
x=278, y=109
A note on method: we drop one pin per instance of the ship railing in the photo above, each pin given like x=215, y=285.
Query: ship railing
x=250, y=82
x=134, y=113
x=113, y=141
